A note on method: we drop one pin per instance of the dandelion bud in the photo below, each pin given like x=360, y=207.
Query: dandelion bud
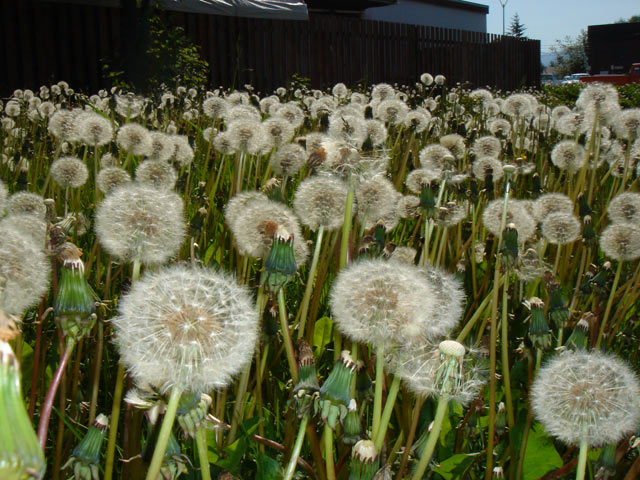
x=578, y=338
x=588, y=232
x=501, y=418
x=305, y=391
x=364, y=461
x=558, y=311
x=335, y=394
x=498, y=472
x=20, y=454
x=352, y=425
x=539, y=332
x=280, y=266
x=85, y=458
x=363, y=381
x=192, y=412
x=584, y=208
x=509, y=247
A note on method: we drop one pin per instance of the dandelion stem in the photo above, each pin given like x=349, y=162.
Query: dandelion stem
x=165, y=433
x=328, y=452
x=286, y=336
x=377, y=399
x=582, y=458
x=113, y=424
x=304, y=309
x=505, y=354
x=607, y=310
x=386, y=414
x=203, y=453
x=297, y=447
x=434, y=434
x=346, y=227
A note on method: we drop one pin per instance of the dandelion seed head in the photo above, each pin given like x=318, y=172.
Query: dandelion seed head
x=377, y=199
x=426, y=78
x=392, y=111
x=418, y=120
x=455, y=144
x=215, y=107
x=135, y=139
x=435, y=157
x=94, y=129
x=481, y=95
x=25, y=271
x=516, y=214
x=627, y=124
x=340, y=90
x=347, y=128
x=320, y=201
x=550, y=203
x=140, y=222
x=241, y=112
x=279, y=131
x=588, y=395
x=621, y=241
x=487, y=146
x=440, y=79
x=26, y=202
x=129, y=106
x=69, y=172
x=382, y=91
x=187, y=327
x=162, y=146
x=62, y=125
x=110, y=178
x=182, y=150
x=4, y=194
x=560, y=228
x=483, y=166
x=568, y=155
x=157, y=174
x=247, y=135
x=291, y=112
x=375, y=131
x=625, y=208
x=28, y=225
x=288, y=159
x=517, y=105
x=322, y=106
x=421, y=177
x=499, y=126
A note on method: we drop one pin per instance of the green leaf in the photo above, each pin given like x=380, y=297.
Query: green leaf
x=209, y=253
x=322, y=334
x=267, y=468
x=235, y=451
x=455, y=466
x=541, y=456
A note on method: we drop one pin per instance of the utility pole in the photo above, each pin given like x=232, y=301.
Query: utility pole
x=503, y=4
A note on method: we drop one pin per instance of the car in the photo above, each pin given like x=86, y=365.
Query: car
x=573, y=78
x=549, y=79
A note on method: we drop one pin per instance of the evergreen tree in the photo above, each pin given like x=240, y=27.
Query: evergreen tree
x=516, y=29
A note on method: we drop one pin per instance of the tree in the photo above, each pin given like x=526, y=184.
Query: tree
x=516, y=29
x=571, y=55
x=632, y=19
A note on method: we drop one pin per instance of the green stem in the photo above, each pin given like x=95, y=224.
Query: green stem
x=434, y=434
x=203, y=453
x=286, y=337
x=505, y=354
x=165, y=433
x=297, y=447
x=377, y=399
x=304, y=309
x=582, y=458
x=607, y=310
x=346, y=227
x=386, y=414
x=328, y=452
x=113, y=424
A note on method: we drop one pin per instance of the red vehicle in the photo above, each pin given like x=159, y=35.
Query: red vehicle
x=621, y=78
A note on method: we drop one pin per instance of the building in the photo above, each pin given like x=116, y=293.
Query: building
x=613, y=47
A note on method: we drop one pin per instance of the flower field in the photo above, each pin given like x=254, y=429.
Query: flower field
x=395, y=282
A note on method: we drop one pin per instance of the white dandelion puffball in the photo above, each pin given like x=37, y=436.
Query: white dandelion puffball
x=588, y=395
x=140, y=222
x=69, y=172
x=380, y=302
x=320, y=201
x=193, y=328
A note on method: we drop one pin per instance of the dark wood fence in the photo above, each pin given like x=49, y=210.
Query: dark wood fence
x=44, y=42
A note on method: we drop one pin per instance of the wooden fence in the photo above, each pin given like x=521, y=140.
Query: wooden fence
x=44, y=42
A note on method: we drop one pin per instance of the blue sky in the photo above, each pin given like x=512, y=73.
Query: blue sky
x=548, y=20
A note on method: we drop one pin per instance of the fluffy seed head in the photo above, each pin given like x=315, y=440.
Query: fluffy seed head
x=279, y=131
x=69, y=172
x=588, y=395
x=188, y=327
x=627, y=124
x=392, y=111
x=625, y=208
x=26, y=202
x=561, y=227
x=110, y=178
x=247, y=135
x=140, y=222
x=320, y=201
x=382, y=91
x=156, y=173
x=215, y=107
x=568, y=155
x=346, y=127
x=435, y=157
x=375, y=131
x=135, y=139
x=621, y=241
x=4, y=193
x=182, y=151
x=487, y=146
x=377, y=199
x=162, y=146
x=455, y=144
x=94, y=129
x=288, y=159
x=291, y=112
x=549, y=203
x=516, y=214
x=62, y=125
x=517, y=105
x=25, y=271
x=484, y=166
x=28, y=225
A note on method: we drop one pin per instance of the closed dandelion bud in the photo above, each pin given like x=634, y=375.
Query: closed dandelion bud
x=588, y=232
x=352, y=425
x=20, y=454
x=509, y=247
x=305, y=391
x=335, y=394
x=428, y=201
x=75, y=302
x=498, y=472
x=363, y=381
x=578, y=338
x=85, y=458
x=364, y=461
x=280, y=266
x=501, y=419
x=539, y=332
x=558, y=311
x=192, y=412
x=536, y=185
x=584, y=208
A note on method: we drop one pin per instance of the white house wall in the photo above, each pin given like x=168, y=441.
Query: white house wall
x=418, y=13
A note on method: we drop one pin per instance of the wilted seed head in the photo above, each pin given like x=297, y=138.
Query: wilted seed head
x=320, y=201
x=586, y=395
x=621, y=241
x=561, y=227
x=516, y=214
x=215, y=107
x=188, y=327
x=550, y=203
x=69, y=172
x=140, y=222
x=279, y=131
x=487, y=146
x=288, y=159
x=110, y=178
x=157, y=174
x=483, y=167
x=377, y=199
x=625, y=208
x=94, y=129
x=364, y=460
x=530, y=266
x=25, y=271
x=26, y=202
x=568, y=155
x=254, y=226
x=134, y=138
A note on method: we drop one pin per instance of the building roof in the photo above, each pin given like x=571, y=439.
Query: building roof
x=459, y=4
x=359, y=5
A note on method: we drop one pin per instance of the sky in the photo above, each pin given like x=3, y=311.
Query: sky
x=551, y=20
